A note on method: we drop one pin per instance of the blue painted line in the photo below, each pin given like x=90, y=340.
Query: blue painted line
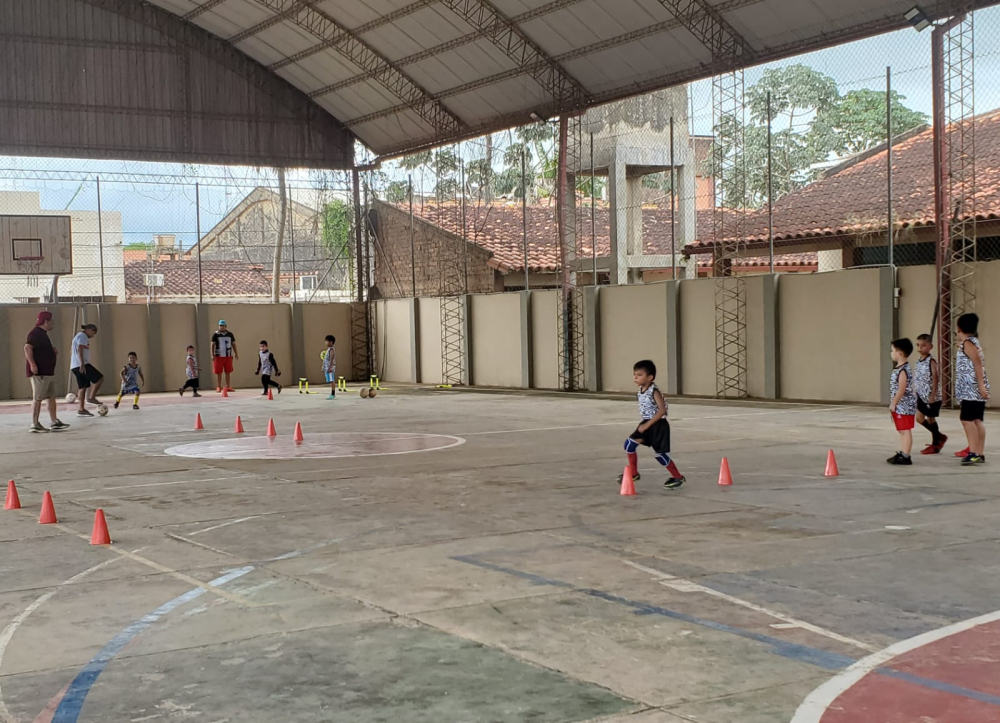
x=801, y=653
x=72, y=703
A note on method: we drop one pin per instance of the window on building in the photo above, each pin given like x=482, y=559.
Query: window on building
x=308, y=283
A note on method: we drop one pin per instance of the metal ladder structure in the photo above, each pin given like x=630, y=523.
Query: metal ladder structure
x=571, y=307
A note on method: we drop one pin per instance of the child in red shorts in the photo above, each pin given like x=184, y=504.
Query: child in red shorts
x=903, y=406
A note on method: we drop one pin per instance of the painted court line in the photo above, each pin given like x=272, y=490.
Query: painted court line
x=682, y=585
x=224, y=524
x=817, y=702
x=155, y=484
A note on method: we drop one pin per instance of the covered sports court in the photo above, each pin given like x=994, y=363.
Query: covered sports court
x=456, y=548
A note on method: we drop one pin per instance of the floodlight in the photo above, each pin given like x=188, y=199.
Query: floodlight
x=917, y=19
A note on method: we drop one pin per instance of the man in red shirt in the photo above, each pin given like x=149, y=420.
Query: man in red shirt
x=40, y=366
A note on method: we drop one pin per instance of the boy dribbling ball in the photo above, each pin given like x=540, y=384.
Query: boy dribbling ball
x=654, y=430
x=903, y=406
x=131, y=376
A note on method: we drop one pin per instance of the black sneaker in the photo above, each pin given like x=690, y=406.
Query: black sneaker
x=84, y=413
x=117, y=403
x=674, y=482
x=196, y=394
x=900, y=458
x=972, y=458
x=37, y=428
x=279, y=389
x=58, y=426
x=635, y=478
x=135, y=406
x=181, y=391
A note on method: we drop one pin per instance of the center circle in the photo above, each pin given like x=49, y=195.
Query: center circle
x=317, y=446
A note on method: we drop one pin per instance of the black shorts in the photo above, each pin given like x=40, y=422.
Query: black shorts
x=87, y=376
x=657, y=437
x=932, y=410
x=972, y=411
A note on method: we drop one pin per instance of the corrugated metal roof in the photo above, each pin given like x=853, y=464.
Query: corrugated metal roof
x=407, y=74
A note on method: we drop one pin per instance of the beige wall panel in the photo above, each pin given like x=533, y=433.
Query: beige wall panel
x=393, y=354
x=755, y=336
x=430, y=340
x=545, y=339
x=698, y=337
x=177, y=327
x=496, y=340
x=318, y=320
x=633, y=327
x=250, y=323
x=917, y=300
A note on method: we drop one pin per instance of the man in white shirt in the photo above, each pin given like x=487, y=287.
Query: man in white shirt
x=88, y=379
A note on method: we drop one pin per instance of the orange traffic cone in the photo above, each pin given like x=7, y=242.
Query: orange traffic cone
x=298, y=433
x=270, y=395
x=239, y=425
x=48, y=516
x=271, y=432
x=100, y=534
x=13, y=501
x=225, y=392
x=831, y=466
x=725, y=476
x=628, y=486
x=197, y=421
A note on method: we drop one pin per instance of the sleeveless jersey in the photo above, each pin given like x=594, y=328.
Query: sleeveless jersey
x=966, y=386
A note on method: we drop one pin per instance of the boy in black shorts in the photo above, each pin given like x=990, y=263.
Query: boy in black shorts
x=927, y=385
x=654, y=430
x=972, y=387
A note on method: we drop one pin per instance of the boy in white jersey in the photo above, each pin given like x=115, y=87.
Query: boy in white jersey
x=972, y=387
x=330, y=365
x=131, y=375
x=927, y=385
x=267, y=367
x=192, y=371
x=654, y=430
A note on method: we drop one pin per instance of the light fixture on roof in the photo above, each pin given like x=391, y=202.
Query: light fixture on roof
x=917, y=19
x=537, y=118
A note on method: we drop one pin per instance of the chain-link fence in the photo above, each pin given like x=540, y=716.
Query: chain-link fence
x=820, y=162
x=170, y=233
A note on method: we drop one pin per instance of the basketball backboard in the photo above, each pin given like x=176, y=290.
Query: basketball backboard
x=36, y=245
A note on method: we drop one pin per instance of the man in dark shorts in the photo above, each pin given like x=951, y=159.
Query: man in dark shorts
x=40, y=367
x=88, y=379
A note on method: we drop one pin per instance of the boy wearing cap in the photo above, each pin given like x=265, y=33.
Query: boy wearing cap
x=40, y=366
x=223, y=352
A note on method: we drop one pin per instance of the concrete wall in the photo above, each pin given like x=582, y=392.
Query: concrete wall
x=497, y=344
x=318, y=320
x=833, y=343
x=697, y=334
x=394, y=355
x=177, y=330
x=917, y=300
x=429, y=312
x=988, y=308
x=545, y=339
x=633, y=322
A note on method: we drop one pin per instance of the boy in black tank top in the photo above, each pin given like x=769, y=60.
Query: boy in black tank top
x=654, y=430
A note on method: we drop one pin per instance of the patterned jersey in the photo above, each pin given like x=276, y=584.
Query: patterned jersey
x=265, y=363
x=647, y=402
x=330, y=360
x=191, y=366
x=907, y=404
x=922, y=378
x=966, y=386
x=130, y=378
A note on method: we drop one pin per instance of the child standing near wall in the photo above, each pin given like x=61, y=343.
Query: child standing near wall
x=927, y=385
x=903, y=406
x=266, y=367
x=972, y=388
x=654, y=430
x=131, y=375
x=192, y=371
x=330, y=365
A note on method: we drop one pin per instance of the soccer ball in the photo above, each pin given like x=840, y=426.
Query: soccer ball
x=364, y=392
x=102, y=410
x=372, y=393
x=70, y=398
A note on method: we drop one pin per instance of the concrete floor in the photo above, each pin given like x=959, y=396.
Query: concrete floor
x=503, y=579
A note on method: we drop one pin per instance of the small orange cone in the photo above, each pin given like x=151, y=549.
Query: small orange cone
x=225, y=392
x=628, y=486
x=270, y=395
x=831, y=465
x=13, y=501
x=298, y=433
x=48, y=516
x=100, y=534
x=239, y=425
x=197, y=421
x=725, y=476
x=271, y=432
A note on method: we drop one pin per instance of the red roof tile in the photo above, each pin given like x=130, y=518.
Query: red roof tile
x=218, y=279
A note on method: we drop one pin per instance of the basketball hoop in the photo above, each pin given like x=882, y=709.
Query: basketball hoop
x=30, y=266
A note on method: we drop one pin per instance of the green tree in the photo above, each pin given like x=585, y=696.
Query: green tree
x=337, y=227
x=856, y=122
x=397, y=192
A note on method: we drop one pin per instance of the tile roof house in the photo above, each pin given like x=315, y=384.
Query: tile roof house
x=221, y=281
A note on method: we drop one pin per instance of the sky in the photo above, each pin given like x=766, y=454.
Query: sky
x=169, y=207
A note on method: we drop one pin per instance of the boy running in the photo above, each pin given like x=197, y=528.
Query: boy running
x=131, y=375
x=266, y=366
x=972, y=387
x=330, y=365
x=654, y=430
x=927, y=385
x=903, y=406
x=192, y=371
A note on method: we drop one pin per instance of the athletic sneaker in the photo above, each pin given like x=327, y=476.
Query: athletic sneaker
x=37, y=428
x=58, y=426
x=279, y=389
x=331, y=397
x=117, y=403
x=84, y=413
x=635, y=478
x=900, y=458
x=218, y=390
x=196, y=394
x=230, y=389
x=942, y=440
x=674, y=482
x=263, y=394
x=972, y=458
x=930, y=449
x=135, y=406
x=962, y=452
